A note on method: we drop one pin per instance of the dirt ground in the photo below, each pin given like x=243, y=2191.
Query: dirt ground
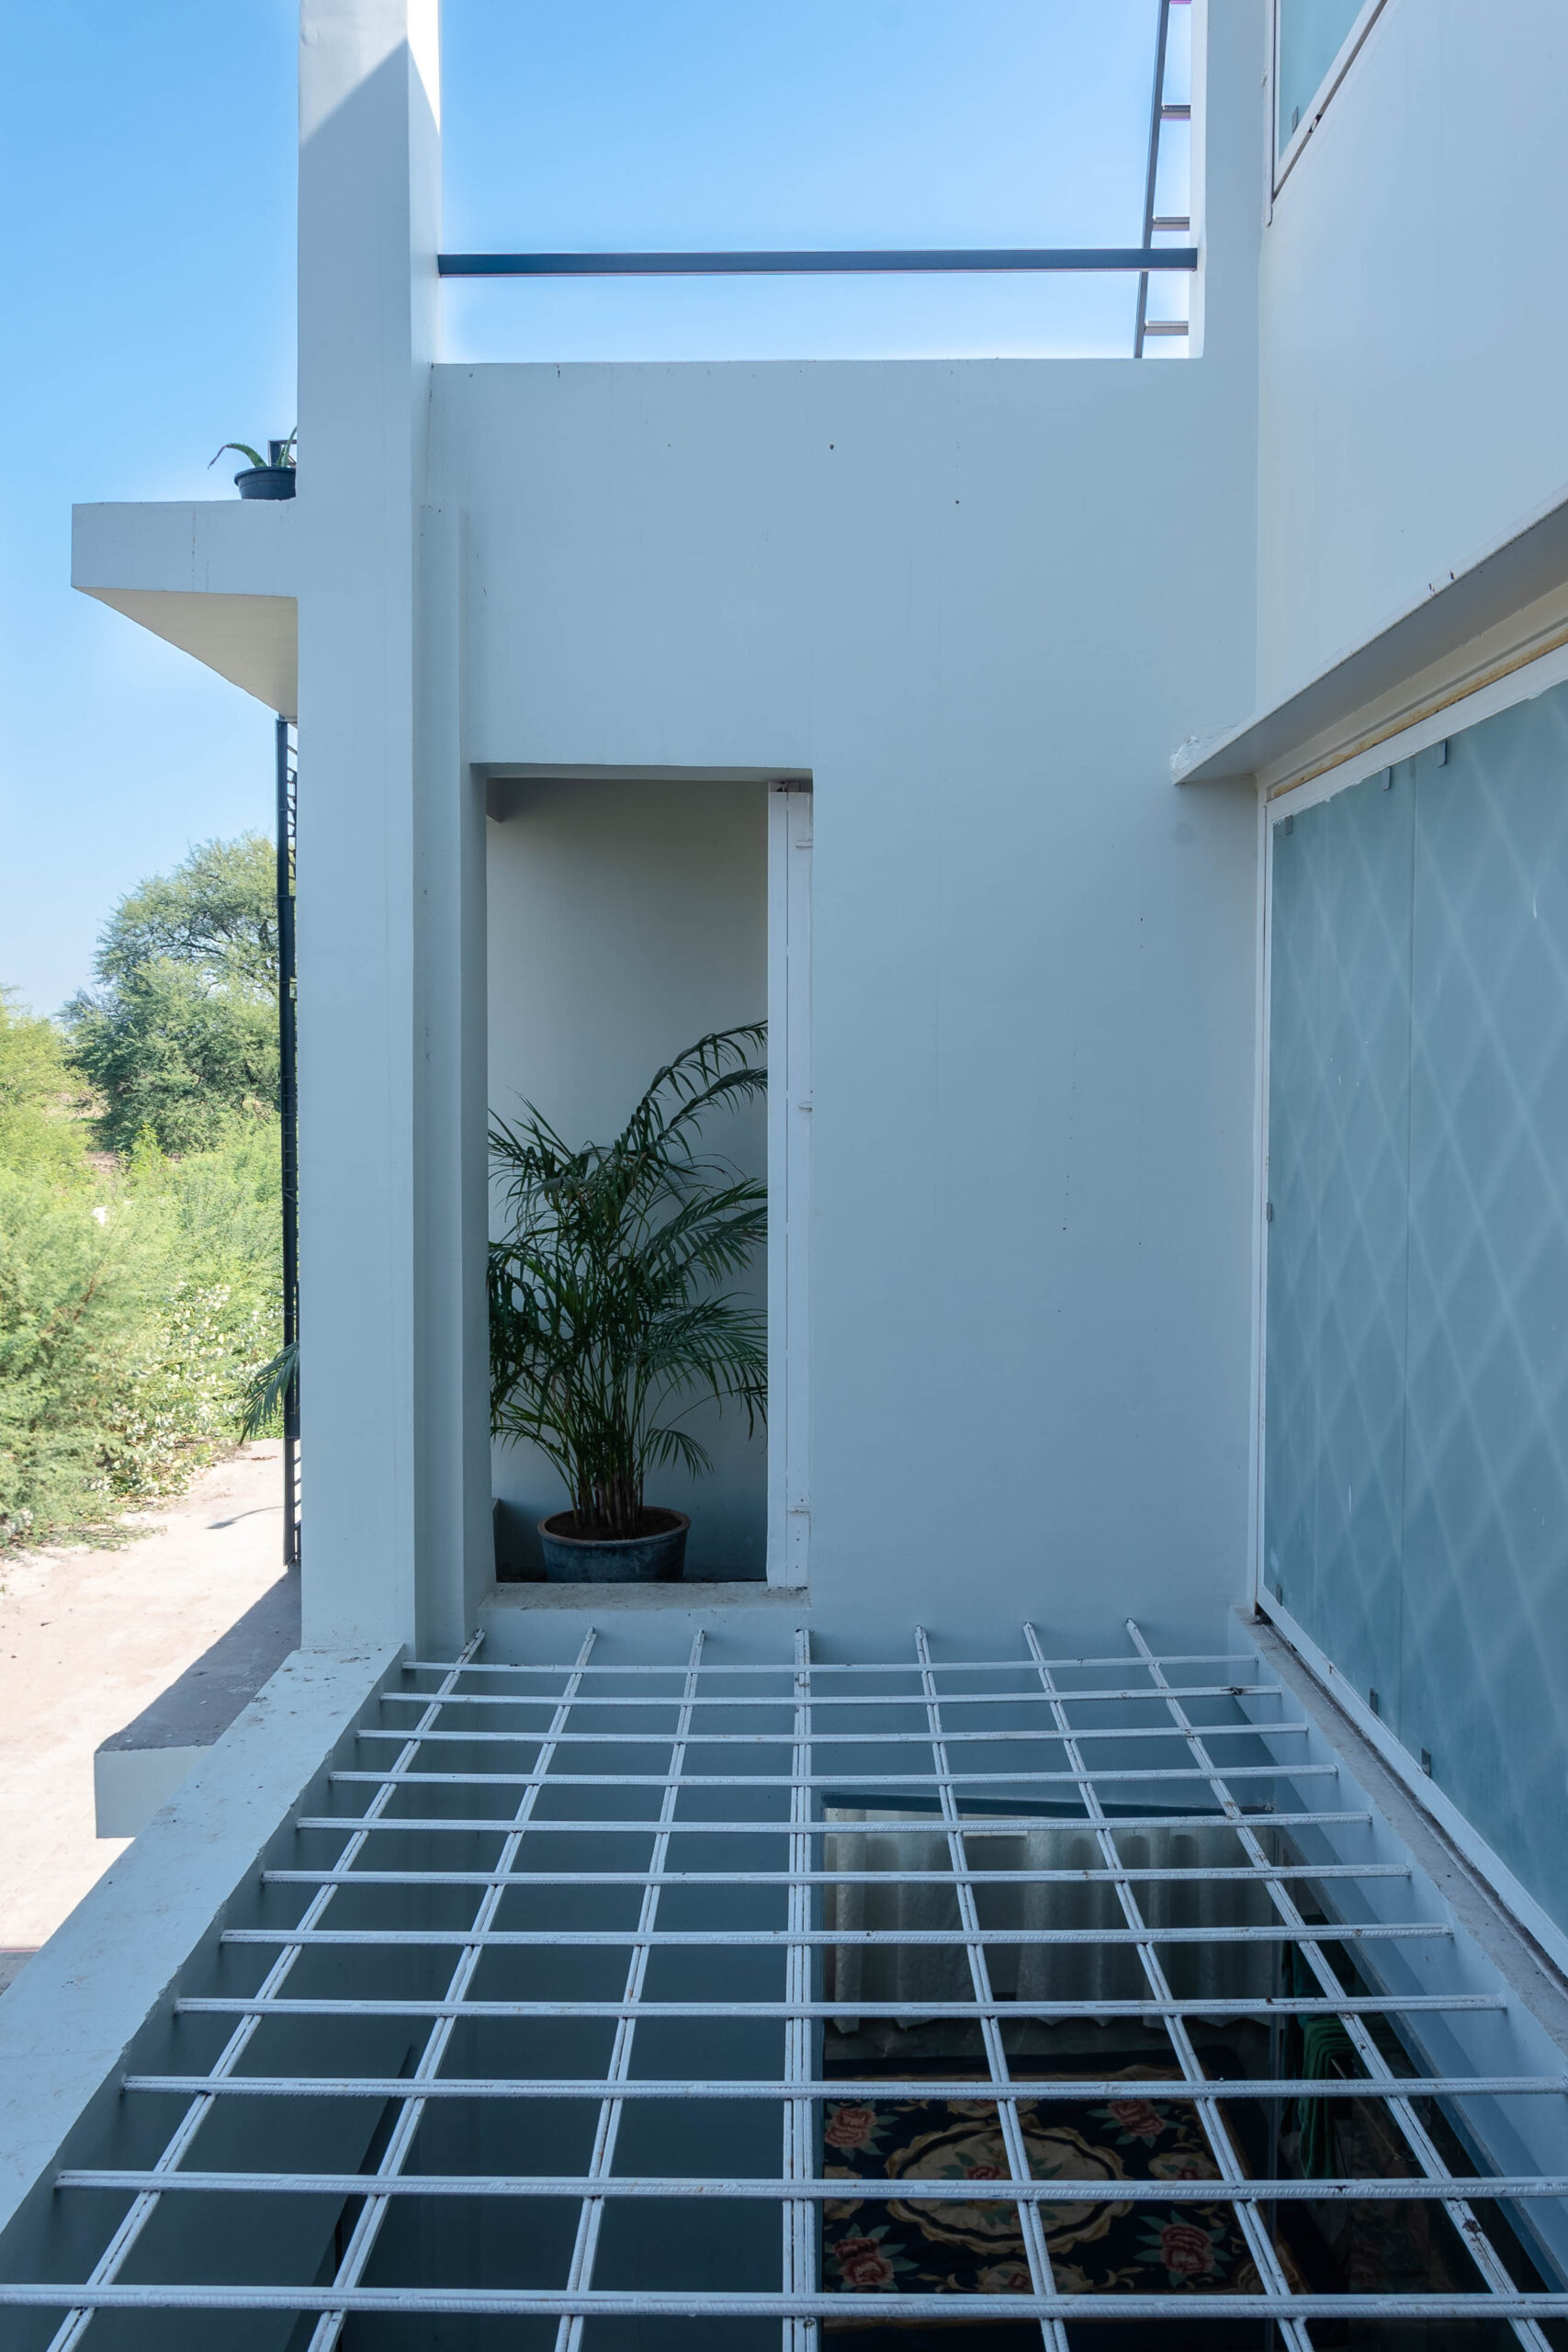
x=87, y=1639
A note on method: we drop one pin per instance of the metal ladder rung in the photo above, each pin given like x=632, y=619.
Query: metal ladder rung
x=1162, y=110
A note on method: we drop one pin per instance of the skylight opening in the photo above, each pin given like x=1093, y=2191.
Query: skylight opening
x=892, y=124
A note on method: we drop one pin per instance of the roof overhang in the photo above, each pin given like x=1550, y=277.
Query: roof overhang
x=1503, y=611
x=219, y=579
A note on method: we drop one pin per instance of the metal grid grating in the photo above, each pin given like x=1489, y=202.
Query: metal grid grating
x=486, y=1859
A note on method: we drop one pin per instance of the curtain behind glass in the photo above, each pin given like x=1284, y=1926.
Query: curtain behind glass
x=924, y=1975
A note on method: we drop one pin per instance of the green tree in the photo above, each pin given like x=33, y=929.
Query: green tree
x=181, y=1033
x=217, y=913
x=40, y=1098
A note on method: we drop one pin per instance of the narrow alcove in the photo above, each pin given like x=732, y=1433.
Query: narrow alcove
x=627, y=919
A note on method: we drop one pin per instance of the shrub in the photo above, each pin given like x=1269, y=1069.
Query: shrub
x=134, y=1309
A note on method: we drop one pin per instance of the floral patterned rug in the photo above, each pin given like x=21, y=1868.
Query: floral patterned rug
x=900, y=2248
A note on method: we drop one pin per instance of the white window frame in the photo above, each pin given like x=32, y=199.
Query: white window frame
x=1285, y=157
x=789, y=1179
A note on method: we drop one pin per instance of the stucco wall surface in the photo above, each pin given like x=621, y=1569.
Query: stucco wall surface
x=1412, y=346
x=979, y=602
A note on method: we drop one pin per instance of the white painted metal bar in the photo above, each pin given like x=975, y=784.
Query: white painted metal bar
x=1284, y=2005
x=783, y=1736
x=1033, y=2089
x=105, y=2271
x=674, y=1670
x=1234, y=1798
x=1260, y=2243
x=1289, y=2309
x=590, y=2220
x=1165, y=1772
x=799, y=2217
x=1395, y=2093
x=1342, y=2188
x=1220, y=1877
x=1054, y=2335
x=835, y=1699
x=1280, y=1932
x=427, y=2074
x=976, y=1825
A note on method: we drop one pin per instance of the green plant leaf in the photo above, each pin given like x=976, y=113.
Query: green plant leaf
x=609, y=1321
x=263, y=1396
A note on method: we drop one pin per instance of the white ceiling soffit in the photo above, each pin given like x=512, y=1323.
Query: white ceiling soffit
x=1500, y=612
x=217, y=578
x=251, y=640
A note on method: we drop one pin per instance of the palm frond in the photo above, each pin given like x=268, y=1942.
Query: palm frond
x=262, y=1395
x=605, y=1298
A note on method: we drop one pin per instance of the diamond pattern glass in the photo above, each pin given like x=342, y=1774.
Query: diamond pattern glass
x=1416, y=1457
x=1339, y=1133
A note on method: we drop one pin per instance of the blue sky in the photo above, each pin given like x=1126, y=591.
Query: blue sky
x=149, y=153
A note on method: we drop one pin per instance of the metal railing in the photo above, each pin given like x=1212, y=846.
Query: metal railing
x=807, y=262
x=1162, y=110
x=1049, y=260
x=288, y=813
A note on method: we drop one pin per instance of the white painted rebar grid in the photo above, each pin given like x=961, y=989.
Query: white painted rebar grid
x=586, y=1917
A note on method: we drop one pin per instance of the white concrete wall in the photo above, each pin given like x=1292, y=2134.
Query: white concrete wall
x=979, y=602
x=626, y=919
x=391, y=1170
x=1414, y=344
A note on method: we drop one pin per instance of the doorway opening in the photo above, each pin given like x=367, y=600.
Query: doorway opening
x=630, y=915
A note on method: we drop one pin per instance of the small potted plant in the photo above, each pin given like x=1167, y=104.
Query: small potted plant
x=268, y=477
x=608, y=1318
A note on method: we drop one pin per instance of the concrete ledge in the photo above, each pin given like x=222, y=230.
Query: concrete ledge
x=221, y=546
x=1508, y=606
x=219, y=578
x=67, y=2021
x=524, y=1623
x=618, y=1599
x=1520, y=1958
x=139, y=1769
x=130, y=1784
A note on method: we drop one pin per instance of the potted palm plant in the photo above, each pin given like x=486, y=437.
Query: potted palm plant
x=609, y=1320
x=268, y=477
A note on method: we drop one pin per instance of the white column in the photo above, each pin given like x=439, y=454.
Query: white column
x=379, y=952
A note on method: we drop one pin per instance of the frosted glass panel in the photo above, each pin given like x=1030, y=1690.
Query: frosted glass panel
x=1416, y=1449
x=1486, y=1489
x=1312, y=33
x=1339, y=1121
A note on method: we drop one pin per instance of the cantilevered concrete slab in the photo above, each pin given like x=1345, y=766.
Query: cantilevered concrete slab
x=1471, y=627
x=217, y=578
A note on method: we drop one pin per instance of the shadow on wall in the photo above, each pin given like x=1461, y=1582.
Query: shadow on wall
x=625, y=919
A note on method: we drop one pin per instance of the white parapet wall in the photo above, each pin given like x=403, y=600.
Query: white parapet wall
x=71, y=2016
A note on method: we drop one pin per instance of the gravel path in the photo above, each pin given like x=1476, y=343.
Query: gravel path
x=87, y=1639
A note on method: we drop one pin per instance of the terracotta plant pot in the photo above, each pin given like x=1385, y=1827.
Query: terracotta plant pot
x=658, y=1555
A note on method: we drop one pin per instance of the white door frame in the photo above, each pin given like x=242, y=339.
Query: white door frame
x=789, y=1179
